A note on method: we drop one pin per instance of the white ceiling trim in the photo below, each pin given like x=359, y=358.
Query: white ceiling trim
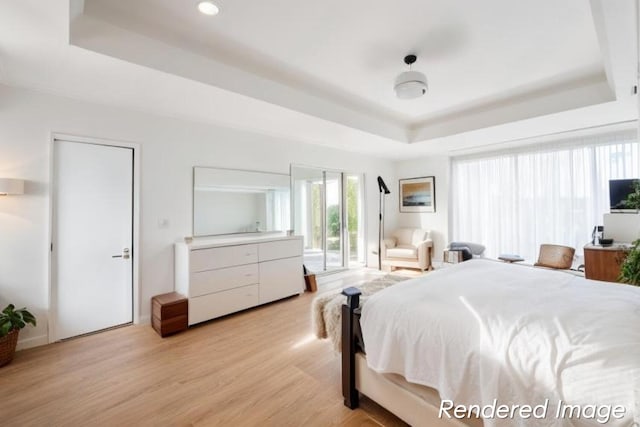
x=102, y=37
x=549, y=99
x=561, y=139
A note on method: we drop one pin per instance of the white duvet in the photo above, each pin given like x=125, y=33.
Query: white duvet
x=484, y=330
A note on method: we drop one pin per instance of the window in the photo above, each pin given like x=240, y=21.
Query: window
x=328, y=212
x=553, y=193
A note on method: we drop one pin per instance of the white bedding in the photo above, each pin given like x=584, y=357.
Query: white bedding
x=484, y=330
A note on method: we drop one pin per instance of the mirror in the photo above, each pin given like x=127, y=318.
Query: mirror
x=231, y=201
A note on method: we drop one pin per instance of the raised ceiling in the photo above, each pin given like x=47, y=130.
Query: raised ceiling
x=488, y=63
x=473, y=52
x=322, y=72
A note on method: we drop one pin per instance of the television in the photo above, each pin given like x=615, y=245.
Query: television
x=619, y=190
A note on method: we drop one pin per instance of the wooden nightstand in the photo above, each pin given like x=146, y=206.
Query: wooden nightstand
x=604, y=262
x=169, y=313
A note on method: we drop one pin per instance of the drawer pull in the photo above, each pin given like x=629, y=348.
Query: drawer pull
x=248, y=275
x=248, y=254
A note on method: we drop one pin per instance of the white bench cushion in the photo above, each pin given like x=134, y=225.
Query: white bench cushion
x=403, y=251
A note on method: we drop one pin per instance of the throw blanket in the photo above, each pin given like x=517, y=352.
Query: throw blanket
x=484, y=330
x=326, y=308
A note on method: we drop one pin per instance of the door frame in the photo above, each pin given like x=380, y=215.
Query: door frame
x=362, y=178
x=343, y=226
x=52, y=286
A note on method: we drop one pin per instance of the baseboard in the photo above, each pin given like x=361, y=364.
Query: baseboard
x=26, y=343
x=32, y=342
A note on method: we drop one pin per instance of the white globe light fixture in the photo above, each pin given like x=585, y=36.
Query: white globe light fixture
x=410, y=84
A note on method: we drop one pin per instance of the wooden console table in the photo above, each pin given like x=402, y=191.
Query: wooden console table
x=604, y=262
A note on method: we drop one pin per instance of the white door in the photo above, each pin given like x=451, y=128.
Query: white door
x=92, y=238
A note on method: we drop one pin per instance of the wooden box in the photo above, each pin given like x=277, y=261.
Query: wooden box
x=452, y=256
x=169, y=313
x=310, y=283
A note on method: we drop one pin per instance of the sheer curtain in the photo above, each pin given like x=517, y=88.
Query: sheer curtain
x=513, y=201
x=278, y=210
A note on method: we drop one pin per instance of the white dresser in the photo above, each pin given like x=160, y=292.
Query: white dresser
x=225, y=275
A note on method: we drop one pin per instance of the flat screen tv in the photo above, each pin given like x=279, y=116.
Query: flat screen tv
x=619, y=189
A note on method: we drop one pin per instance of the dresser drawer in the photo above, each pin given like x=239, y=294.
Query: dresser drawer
x=227, y=256
x=281, y=278
x=215, y=305
x=210, y=281
x=280, y=249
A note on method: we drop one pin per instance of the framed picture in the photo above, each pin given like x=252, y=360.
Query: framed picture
x=418, y=194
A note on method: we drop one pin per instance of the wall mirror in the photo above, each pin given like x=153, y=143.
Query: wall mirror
x=231, y=201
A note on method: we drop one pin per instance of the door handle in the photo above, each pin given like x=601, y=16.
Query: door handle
x=125, y=254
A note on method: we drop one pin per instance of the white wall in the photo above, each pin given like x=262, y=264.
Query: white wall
x=438, y=221
x=169, y=149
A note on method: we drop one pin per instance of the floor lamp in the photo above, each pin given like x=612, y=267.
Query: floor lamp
x=383, y=192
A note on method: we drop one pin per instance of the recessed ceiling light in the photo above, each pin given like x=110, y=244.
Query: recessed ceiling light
x=208, y=8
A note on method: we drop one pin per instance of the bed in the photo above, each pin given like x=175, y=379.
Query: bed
x=484, y=334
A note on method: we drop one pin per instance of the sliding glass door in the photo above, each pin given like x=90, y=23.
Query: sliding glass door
x=327, y=211
x=333, y=212
x=354, y=214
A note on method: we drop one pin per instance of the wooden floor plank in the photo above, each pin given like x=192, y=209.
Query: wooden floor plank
x=259, y=367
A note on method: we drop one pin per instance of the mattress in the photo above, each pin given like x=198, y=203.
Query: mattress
x=418, y=405
x=484, y=331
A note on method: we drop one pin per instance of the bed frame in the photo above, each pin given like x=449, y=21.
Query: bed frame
x=358, y=378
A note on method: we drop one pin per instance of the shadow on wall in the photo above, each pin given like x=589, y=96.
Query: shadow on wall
x=32, y=188
x=439, y=243
x=12, y=207
x=35, y=188
x=17, y=218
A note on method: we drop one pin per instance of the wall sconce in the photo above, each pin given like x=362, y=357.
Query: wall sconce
x=11, y=186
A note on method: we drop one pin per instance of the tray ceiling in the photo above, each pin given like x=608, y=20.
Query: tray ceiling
x=323, y=72
x=472, y=52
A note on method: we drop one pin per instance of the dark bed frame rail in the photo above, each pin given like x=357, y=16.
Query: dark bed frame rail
x=352, y=343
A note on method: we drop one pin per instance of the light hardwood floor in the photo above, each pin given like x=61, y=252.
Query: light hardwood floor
x=259, y=367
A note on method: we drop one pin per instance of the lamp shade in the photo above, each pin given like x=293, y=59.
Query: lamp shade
x=11, y=186
x=410, y=85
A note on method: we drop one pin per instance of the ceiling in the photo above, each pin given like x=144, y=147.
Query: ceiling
x=471, y=51
x=322, y=72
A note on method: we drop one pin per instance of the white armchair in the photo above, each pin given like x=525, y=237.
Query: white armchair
x=408, y=247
